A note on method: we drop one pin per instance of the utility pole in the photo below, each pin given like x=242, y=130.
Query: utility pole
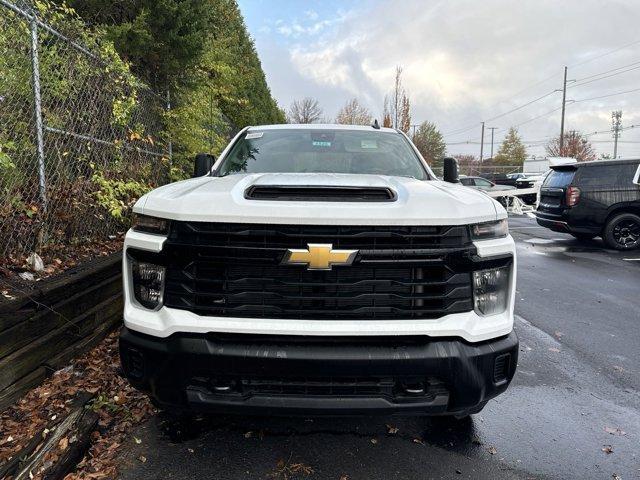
x=482, y=143
x=414, y=129
x=616, y=125
x=564, y=101
x=492, y=130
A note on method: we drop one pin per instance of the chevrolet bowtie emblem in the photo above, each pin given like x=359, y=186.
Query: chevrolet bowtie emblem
x=319, y=256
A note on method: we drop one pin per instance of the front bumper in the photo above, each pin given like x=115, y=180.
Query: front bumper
x=261, y=374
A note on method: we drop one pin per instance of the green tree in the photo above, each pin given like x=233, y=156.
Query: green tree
x=430, y=143
x=512, y=151
x=199, y=51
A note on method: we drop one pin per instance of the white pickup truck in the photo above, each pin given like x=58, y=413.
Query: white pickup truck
x=319, y=269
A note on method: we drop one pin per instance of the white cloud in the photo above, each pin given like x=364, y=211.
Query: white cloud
x=465, y=61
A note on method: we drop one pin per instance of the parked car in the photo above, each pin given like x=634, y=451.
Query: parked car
x=481, y=183
x=319, y=269
x=502, y=178
x=531, y=180
x=591, y=199
x=485, y=185
x=512, y=178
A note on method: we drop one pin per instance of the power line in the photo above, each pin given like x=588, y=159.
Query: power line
x=605, y=77
x=605, y=96
x=589, y=79
x=520, y=106
x=537, y=117
x=607, y=71
x=617, y=49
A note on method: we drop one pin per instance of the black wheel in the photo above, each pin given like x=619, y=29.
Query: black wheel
x=623, y=232
x=583, y=237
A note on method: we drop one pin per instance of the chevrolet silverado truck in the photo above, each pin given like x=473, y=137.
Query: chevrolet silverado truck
x=319, y=269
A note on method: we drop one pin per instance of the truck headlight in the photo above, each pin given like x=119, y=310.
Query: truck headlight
x=486, y=230
x=148, y=224
x=491, y=290
x=148, y=283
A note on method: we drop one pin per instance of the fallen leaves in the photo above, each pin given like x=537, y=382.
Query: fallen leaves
x=614, y=431
x=492, y=450
x=286, y=470
x=96, y=372
x=607, y=449
x=20, y=278
x=554, y=350
x=391, y=430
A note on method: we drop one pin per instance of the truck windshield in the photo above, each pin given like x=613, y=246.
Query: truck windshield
x=323, y=151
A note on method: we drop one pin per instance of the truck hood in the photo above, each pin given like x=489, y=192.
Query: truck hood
x=222, y=199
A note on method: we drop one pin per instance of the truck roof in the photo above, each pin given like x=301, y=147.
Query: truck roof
x=595, y=163
x=320, y=126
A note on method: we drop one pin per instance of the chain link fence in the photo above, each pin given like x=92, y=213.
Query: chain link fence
x=80, y=137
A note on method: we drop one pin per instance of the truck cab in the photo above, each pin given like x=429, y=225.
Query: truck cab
x=319, y=269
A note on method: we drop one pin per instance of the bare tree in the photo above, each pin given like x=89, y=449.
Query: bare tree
x=387, y=121
x=575, y=145
x=354, y=114
x=306, y=110
x=397, y=112
x=405, y=115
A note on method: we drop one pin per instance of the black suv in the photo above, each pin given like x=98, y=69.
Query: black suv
x=593, y=199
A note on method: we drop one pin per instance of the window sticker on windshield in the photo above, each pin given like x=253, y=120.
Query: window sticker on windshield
x=368, y=144
x=251, y=135
x=318, y=143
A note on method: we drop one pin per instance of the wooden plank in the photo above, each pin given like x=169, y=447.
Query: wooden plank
x=14, y=338
x=52, y=290
x=30, y=357
x=76, y=427
x=20, y=387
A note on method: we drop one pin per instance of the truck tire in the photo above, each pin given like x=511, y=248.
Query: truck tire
x=622, y=232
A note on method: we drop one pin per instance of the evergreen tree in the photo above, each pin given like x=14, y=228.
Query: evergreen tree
x=512, y=151
x=200, y=52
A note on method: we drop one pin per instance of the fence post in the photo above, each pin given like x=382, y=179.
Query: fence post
x=35, y=65
x=169, y=144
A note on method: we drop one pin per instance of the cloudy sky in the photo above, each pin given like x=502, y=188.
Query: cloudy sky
x=464, y=62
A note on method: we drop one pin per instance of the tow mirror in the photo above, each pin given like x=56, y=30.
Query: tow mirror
x=203, y=163
x=450, y=170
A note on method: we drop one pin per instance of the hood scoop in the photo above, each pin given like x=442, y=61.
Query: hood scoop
x=319, y=193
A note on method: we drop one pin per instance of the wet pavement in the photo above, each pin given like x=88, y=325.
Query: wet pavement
x=576, y=395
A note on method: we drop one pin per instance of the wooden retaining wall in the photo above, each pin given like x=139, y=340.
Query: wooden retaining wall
x=63, y=317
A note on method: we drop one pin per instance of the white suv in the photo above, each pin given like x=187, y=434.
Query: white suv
x=319, y=269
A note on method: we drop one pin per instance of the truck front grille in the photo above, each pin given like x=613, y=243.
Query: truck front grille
x=234, y=270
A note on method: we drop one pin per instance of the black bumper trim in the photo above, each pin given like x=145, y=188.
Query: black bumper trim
x=171, y=370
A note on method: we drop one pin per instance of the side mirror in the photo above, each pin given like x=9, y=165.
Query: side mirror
x=203, y=163
x=450, y=170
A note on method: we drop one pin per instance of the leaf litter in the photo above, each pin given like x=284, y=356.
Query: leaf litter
x=119, y=406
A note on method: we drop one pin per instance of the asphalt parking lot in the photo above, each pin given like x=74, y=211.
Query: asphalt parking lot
x=572, y=411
